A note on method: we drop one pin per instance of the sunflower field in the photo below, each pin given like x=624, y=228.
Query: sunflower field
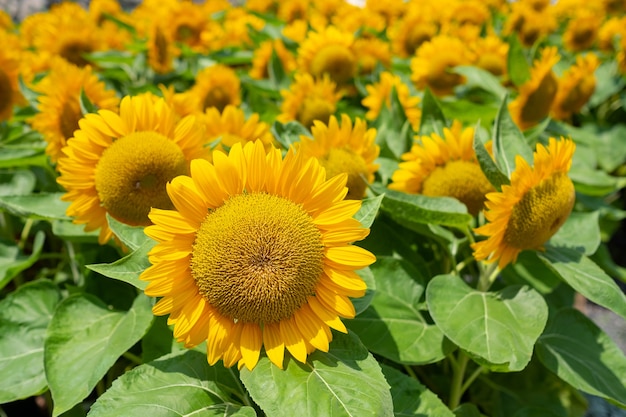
x=312, y=208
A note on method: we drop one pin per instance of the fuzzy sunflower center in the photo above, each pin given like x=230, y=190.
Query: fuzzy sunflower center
x=68, y=120
x=417, y=35
x=74, y=52
x=539, y=101
x=315, y=108
x=540, y=213
x=6, y=92
x=340, y=160
x=160, y=44
x=441, y=79
x=132, y=173
x=216, y=97
x=463, y=180
x=335, y=60
x=257, y=258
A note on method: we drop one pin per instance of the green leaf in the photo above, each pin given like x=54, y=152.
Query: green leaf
x=581, y=354
x=129, y=267
x=288, y=133
x=24, y=317
x=412, y=399
x=131, y=236
x=530, y=270
x=480, y=78
x=433, y=120
x=487, y=165
x=157, y=341
x=361, y=303
x=593, y=182
x=509, y=142
x=13, y=260
x=581, y=231
x=17, y=182
x=84, y=339
x=468, y=410
x=408, y=209
x=346, y=381
x=585, y=277
x=276, y=71
x=86, y=106
x=174, y=386
x=499, y=327
x=517, y=64
x=368, y=211
x=68, y=230
x=393, y=326
x=43, y=206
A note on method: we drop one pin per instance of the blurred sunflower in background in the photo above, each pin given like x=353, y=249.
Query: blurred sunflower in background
x=582, y=31
x=410, y=31
x=263, y=55
x=119, y=163
x=256, y=254
x=491, y=54
x=215, y=86
x=444, y=167
x=224, y=129
x=10, y=68
x=575, y=87
x=328, y=52
x=379, y=95
x=161, y=50
x=529, y=211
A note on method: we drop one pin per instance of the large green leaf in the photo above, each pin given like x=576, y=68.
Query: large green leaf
x=13, y=260
x=412, y=399
x=393, y=326
x=530, y=270
x=131, y=236
x=581, y=231
x=44, y=206
x=174, y=386
x=24, y=317
x=508, y=141
x=581, y=354
x=498, y=327
x=84, y=339
x=480, y=78
x=346, y=381
x=17, y=182
x=369, y=209
x=129, y=267
x=585, y=277
x=408, y=209
x=433, y=119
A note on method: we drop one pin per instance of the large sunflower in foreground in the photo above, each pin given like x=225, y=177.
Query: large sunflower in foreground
x=527, y=213
x=348, y=148
x=119, y=163
x=536, y=95
x=256, y=254
x=445, y=166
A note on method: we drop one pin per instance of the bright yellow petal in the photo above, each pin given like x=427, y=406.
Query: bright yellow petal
x=250, y=343
x=274, y=345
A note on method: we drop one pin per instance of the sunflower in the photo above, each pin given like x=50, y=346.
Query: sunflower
x=434, y=61
x=329, y=51
x=379, y=95
x=10, y=63
x=119, y=163
x=410, y=32
x=230, y=127
x=491, y=54
x=527, y=213
x=529, y=24
x=371, y=51
x=296, y=31
x=470, y=13
x=59, y=103
x=234, y=29
x=575, y=87
x=256, y=254
x=351, y=18
x=6, y=22
x=346, y=149
x=308, y=100
x=291, y=10
x=536, y=96
x=216, y=86
x=390, y=10
x=447, y=166
x=582, y=31
x=263, y=55
x=161, y=50
x=613, y=28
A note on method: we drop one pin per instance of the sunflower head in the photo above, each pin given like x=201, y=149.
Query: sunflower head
x=536, y=95
x=379, y=95
x=263, y=56
x=256, y=254
x=120, y=163
x=348, y=149
x=216, y=86
x=411, y=31
x=10, y=62
x=614, y=27
x=371, y=51
x=309, y=99
x=447, y=166
x=161, y=50
x=330, y=52
x=527, y=213
x=528, y=23
x=582, y=31
x=231, y=126
x=491, y=54
x=576, y=87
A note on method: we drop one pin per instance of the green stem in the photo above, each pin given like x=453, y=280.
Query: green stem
x=410, y=371
x=25, y=233
x=100, y=388
x=471, y=378
x=133, y=358
x=488, y=276
x=78, y=277
x=456, y=390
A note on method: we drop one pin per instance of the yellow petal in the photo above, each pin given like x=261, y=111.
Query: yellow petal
x=329, y=317
x=311, y=328
x=294, y=341
x=338, y=212
x=185, y=197
x=219, y=330
x=273, y=342
x=251, y=342
x=348, y=257
x=335, y=302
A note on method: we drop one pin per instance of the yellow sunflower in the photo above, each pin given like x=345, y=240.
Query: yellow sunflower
x=351, y=18
x=527, y=213
x=390, y=10
x=329, y=51
x=576, y=87
x=256, y=254
x=529, y=24
x=491, y=54
x=613, y=28
x=291, y=10
x=59, y=103
x=216, y=86
x=379, y=95
x=410, y=32
x=10, y=63
x=231, y=126
x=447, y=166
x=119, y=163
x=296, y=30
x=470, y=13
x=346, y=149
x=161, y=50
x=582, y=31
x=434, y=61
x=536, y=96
x=371, y=51
x=308, y=100
x=6, y=22
x=263, y=55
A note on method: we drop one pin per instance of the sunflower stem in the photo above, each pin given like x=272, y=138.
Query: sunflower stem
x=24, y=234
x=133, y=358
x=472, y=378
x=410, y=371
x=488, y=277
x=456, y=390
x=76, y=275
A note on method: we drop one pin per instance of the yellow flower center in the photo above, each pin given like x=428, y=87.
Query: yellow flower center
x=341, y=160
x=257, y=258
x=335, y=60
x=538, y=103
x=216, y=97
x=463, y=180
x=6, y=92
x=540, y=213
x=315, y=108
x=583, y=37
x=68, y=120
x=74, y=51
x=187, y=34
x=440, y=79
x=132, y=173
